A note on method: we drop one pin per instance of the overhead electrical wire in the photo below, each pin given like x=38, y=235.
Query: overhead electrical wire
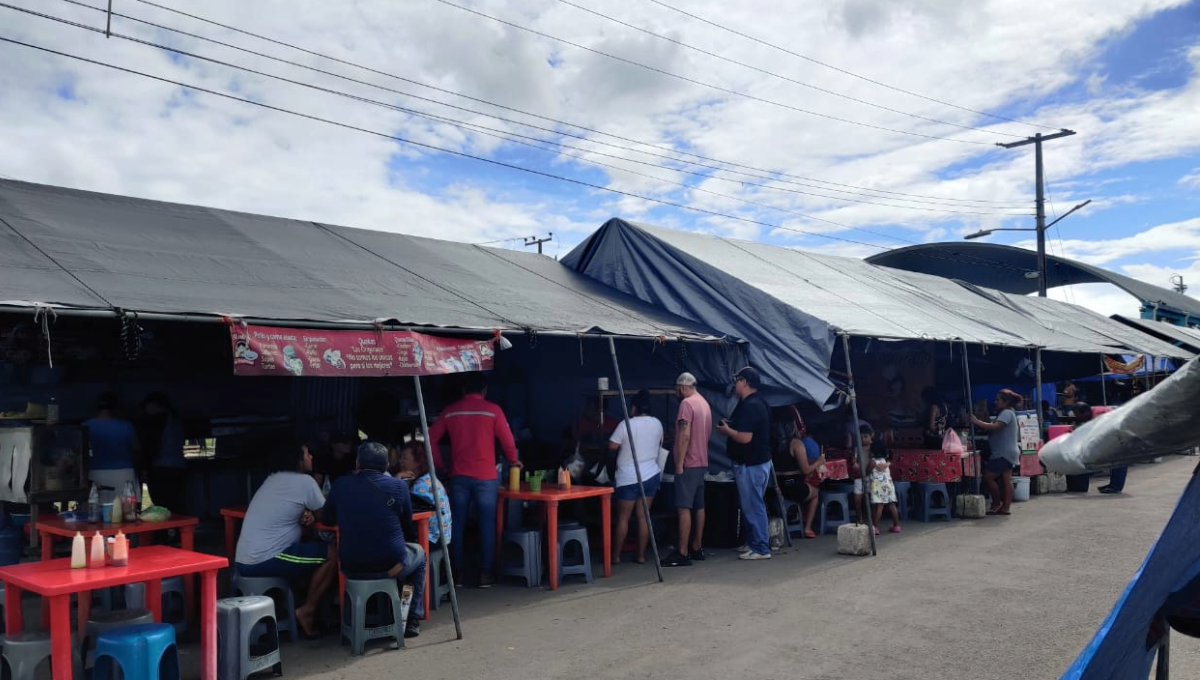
x=508, y=135
x=774, y=175
x=843, y=71
x=778, y=76
x=711, y=86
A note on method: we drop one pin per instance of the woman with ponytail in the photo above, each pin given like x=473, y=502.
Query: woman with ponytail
x=1006, y=451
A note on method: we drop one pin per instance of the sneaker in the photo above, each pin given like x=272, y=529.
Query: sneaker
x=895, y=529
x=413, y=629
x=745, y=548
x=1108, y=489
x=487, y=581
x=876, y=531
x=676, y=559
x=697, y=555
x=751, y=555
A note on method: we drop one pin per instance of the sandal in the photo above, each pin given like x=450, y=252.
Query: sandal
x=809, y=533
x=1003, y=512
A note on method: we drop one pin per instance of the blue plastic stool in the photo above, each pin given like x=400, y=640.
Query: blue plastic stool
x=903, y=502
x=828, y=498
x=144, y=652
x=927, y=493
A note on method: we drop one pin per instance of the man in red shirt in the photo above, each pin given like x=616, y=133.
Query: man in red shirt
x=474, y=425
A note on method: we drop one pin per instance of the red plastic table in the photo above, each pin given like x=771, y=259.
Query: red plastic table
x=55, y=527
x=552, y=495
x=56, y=581
x=234, y=515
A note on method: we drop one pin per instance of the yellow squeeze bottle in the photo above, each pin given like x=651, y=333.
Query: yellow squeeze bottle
x=514, y=479
x=78, y=552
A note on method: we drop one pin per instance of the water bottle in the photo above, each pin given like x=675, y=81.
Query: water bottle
x=130, y=500
x=95, y=514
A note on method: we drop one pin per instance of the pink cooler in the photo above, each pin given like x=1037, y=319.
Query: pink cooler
x=1057, y=431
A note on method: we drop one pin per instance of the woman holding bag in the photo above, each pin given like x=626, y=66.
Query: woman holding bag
x=647, y=440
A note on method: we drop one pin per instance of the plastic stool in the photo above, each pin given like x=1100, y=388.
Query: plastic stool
x=102, y=623
x=926, y=493
x=247, y=637
x=530, y=565
x=790, y=507
x=144, y=652
x=584, y=566
x=24, y=651
x=440, y=585
x=285, y=604
x=174, y=607
x=359, y=592
x=828, y=498
x=903, y=504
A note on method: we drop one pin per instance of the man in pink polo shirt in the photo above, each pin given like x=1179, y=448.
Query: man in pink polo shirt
x=693, y=427
x=474, y=425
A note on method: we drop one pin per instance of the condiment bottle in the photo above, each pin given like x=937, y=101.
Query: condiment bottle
x=120, y=556
x=78, y=552
x=118, y=510
x=97, y=559
x=514, y=479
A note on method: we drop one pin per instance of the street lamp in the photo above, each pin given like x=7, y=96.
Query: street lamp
x=1041, y=252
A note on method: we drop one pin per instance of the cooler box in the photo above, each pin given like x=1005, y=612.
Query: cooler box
x=1057, y=431
x=1031, y=464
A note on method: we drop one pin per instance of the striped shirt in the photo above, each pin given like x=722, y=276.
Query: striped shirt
x=474, y=425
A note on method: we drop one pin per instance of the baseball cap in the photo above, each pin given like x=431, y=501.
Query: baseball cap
x=373, y=456
x=750, y=375
x=686, y=379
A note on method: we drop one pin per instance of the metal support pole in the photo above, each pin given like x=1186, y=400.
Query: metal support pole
x=1037, y=372
x=1162, y=670
x=612, y=348
x=1103, y=380
x=977, y=464
x=1041, y=218
x=437, y=510
x=1149, y=368
x=862, y=456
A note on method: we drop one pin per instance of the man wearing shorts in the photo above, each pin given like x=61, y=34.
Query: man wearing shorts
x=693, y=427
x=270, y=544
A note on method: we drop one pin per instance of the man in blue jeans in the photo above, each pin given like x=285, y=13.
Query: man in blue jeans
x=474, y=425
x=749, y=447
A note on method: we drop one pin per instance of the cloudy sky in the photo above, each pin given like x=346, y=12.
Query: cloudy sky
x=848, y=126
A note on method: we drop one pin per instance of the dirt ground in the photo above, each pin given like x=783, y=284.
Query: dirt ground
x=1002, y=598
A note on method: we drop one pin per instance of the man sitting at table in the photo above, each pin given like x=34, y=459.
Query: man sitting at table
x=375, y=513
x=270, y=544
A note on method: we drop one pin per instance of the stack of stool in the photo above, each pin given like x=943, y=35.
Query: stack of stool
x=144, y=652
x=832, y=498
x=247, y=637
x=174, y=604
x=99, y=624
x=359, y=592
x=24, y=651
x=929, y=493
x=437, y=576
x=529, y=565
x=581, y=567
x=278, y=590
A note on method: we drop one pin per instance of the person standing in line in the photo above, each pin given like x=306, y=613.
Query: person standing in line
x=166, y=466
x=474, y=425
x=749, y=433
x=114, y=448
x=1006, y=450
x=693, y=427
x=647, y=440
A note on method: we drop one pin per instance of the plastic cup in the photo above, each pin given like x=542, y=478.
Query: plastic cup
x=106, y=512
x=535, y=483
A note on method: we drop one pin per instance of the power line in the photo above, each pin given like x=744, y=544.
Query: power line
x=774, y=175
x=843, y=71
x=433, y=147
x=772, y=74
x=515, y=137
x=711, y=86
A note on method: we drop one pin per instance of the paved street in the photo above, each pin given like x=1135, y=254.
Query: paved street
x=997, y=598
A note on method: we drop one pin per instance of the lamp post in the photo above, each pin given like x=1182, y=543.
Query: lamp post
x=1041, y=242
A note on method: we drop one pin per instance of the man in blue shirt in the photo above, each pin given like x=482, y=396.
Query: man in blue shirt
x=375, y=514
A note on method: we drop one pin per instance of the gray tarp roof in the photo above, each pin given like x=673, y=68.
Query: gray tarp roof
x=1188, y=337
x=79, y=249
x=789, y=304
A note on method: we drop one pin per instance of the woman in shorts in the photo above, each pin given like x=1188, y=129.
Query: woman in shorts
x=647, y=440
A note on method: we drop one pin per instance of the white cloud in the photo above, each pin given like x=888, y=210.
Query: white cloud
x=1191, y=180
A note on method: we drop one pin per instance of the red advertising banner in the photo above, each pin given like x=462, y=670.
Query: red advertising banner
x=267, y=350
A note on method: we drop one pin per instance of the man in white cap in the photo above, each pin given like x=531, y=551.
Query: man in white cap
x=693, y=427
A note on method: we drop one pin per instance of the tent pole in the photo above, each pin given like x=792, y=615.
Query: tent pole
x=976, y=463
x=1103, y=380
x=612, y=348
x=1037, y=370
x=1163, y=671
x=437, y=510
x=862, y=455
x=1149, y=367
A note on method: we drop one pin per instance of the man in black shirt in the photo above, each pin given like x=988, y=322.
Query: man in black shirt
x=336, y=460
x=749, y=446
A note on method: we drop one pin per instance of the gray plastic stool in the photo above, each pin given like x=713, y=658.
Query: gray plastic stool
x=24, y=651
x=903, y=503
x=828, y=498
x=285, y=604
x=583, y=567
x=529, y=565
x=174, y=604
x=354, y=613
x=247, y=637
x=441, y=586
x=105, y=622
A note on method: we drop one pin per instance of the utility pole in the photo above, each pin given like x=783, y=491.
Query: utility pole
x=1039, y=179
x=1178, y=284
x=535, y=241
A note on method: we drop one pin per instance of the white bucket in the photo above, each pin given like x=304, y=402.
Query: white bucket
x=1020, y=489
